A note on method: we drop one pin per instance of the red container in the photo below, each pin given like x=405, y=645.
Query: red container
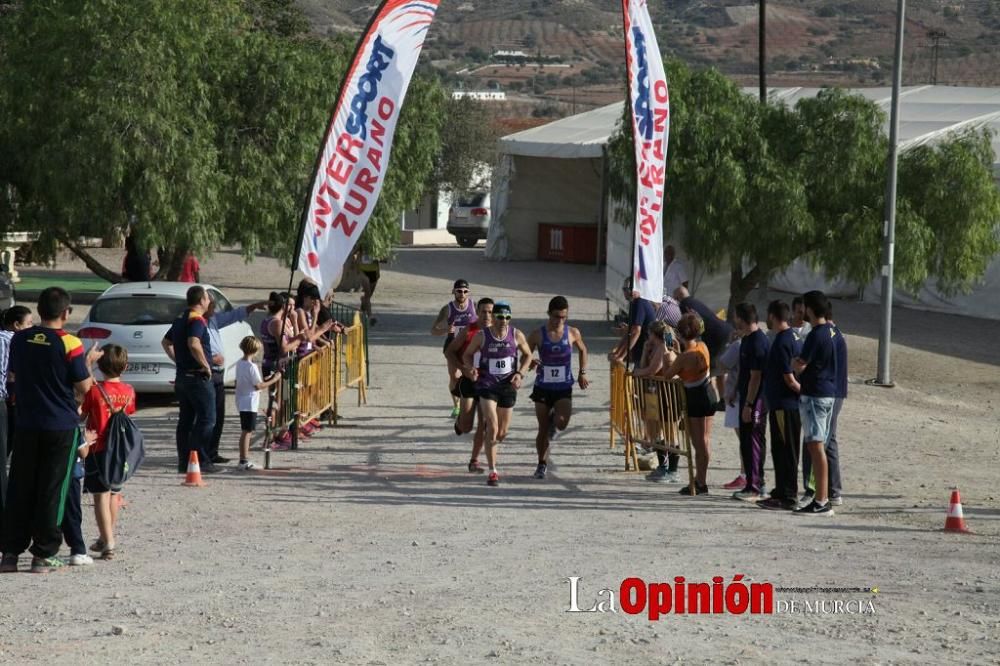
x=567, y=243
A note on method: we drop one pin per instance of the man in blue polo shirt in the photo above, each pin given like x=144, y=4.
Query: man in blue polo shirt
x=817, y=369
x=641, y=314
x=52, y=372
x=831, y=449
x=781, y=390
x=187, y=344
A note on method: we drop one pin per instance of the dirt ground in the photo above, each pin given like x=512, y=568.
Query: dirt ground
x=373, y=545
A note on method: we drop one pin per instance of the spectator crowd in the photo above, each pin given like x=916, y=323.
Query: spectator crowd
x=788, y=382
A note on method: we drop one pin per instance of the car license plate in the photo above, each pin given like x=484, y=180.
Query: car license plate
x=143, y=368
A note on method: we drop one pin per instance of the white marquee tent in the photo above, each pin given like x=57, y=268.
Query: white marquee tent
x=552, y=173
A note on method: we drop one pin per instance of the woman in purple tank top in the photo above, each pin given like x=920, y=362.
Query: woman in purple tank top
x=498, y=377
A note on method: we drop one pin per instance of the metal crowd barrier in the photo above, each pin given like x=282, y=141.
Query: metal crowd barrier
x=311, y=386
x=346, y=314
x=651, y=411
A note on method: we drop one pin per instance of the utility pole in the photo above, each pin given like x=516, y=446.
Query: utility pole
x=762, y=48
x=884, y=377
x=936, y=35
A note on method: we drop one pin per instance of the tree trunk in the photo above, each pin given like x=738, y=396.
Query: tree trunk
x=740, y=285
x=171, y=263
x=96, y=267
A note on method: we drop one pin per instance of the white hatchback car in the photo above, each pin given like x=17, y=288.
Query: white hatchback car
x=136, y=315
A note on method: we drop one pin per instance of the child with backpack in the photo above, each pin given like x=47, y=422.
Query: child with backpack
x=102, y=401
x=249, y=383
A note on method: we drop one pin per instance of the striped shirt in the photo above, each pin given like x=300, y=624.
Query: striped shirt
x=669, y=311
x=5, y=337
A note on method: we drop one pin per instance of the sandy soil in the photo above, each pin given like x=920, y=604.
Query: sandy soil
x=373, y=545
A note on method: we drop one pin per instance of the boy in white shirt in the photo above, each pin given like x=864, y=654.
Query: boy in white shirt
x=249, y=383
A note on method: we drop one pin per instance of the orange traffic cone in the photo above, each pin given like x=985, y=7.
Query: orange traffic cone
x=194, y=471
x=955, y=522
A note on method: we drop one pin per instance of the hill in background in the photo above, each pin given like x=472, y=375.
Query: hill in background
x=555, y=56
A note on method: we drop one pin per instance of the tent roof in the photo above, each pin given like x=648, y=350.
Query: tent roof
x=926, y=113
x=579, y=136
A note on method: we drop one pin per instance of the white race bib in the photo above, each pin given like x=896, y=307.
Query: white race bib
x=554, y=374
x=501, y=366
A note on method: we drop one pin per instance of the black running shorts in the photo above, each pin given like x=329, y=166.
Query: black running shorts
x=465, y=388
x=505, y=395
x=549, y=397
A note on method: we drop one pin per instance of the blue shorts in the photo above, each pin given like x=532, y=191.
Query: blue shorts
x=816, y=415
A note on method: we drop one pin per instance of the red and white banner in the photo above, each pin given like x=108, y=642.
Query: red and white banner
x=355, y=154
x=650, y=108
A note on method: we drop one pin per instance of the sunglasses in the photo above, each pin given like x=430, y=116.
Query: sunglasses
x=461, y=291
x=502, y=316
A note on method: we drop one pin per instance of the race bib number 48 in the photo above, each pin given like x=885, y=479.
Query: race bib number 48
x=501, y=366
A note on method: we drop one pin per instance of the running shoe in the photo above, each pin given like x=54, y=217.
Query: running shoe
x=493, y=479
x=746, y=495
x=806, y=499
x=836, y=501
x=46, y=564
x=475, y=467
x=698, y=490
x=814, y=508
x=219, y=460
x=659, y=474
x=737, y=483
x=776, y=504
x=8, y=564
x=455, y=411
x=79, y=560
x=540, y=471
x=246, y=465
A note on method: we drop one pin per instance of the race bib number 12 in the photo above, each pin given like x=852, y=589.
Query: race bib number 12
x=554, y=374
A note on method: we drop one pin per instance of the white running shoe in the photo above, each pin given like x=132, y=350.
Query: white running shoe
x=246, y=465
x=79, y=560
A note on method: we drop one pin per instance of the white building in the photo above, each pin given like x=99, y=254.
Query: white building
x=481, y=95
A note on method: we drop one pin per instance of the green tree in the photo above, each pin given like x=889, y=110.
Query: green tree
x=198, y=123
x=468, y=145
x=759, y=186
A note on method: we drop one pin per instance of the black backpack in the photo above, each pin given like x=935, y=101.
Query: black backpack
x=124, y=450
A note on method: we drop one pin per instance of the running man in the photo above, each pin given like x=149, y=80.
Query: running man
x=465, y=389
x=457, y=314
x=496, y=380
x=553, y=392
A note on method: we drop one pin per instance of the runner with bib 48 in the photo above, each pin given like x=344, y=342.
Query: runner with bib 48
x=496, y=379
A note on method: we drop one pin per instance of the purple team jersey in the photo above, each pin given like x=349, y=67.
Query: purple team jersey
x=556, y=370
x=497, y=358
x=461, y=318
